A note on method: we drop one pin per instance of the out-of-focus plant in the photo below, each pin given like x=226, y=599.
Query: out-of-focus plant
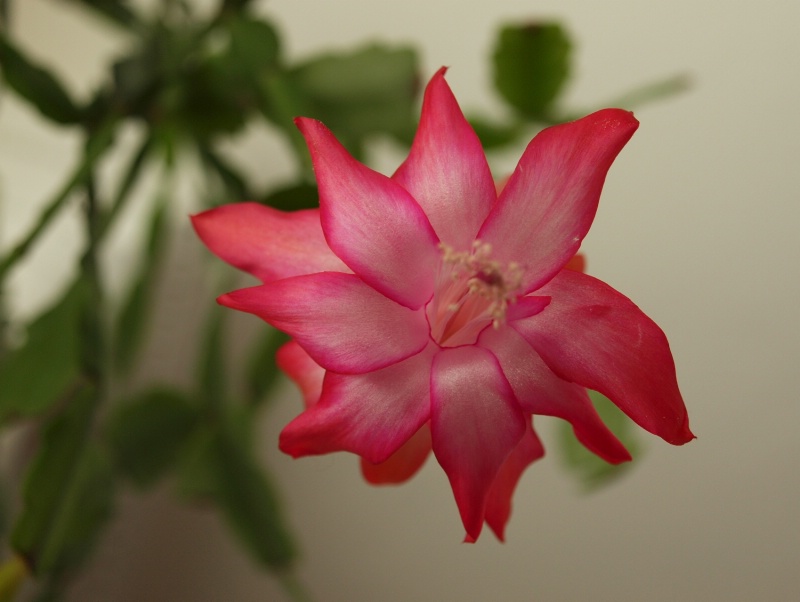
x=192, y=82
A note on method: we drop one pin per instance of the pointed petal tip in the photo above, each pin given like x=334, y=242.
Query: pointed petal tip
x=615, y=118
x=682, y=435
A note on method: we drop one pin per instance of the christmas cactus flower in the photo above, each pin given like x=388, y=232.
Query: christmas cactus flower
x=429, y=312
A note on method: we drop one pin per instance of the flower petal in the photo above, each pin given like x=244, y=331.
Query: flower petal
x=594, y=336
x=525, y=307
x=265, y=242
x=371, y=222
x=304, y=371
x=371, y=414
x=539, y=391
x=446, y=170
x=550, y=200
x=498, y=505
x=343, y=324
x=402, y=464
x=475, y=424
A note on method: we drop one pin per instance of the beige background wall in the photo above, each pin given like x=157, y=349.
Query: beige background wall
x=698, y=224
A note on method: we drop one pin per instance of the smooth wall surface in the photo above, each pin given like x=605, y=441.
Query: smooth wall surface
x=698, y=225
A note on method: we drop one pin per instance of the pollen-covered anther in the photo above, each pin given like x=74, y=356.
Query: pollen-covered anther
x=485, y=277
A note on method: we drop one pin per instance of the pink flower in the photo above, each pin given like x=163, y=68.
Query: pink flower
x=428, y=312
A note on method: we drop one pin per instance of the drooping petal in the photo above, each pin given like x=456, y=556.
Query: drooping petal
x=371, y=222
x=539, y=391
x=446, y=170
x=265, y=242
x=550, y=200
x=596, y=337
x=371, y=414
x=498, y=505
x=304, y=371
x=475, y=424
x=343, y=324
x=402, y=464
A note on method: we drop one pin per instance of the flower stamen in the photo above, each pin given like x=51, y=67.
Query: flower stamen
x=480, y=288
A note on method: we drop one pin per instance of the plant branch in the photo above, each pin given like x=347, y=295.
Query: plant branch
x=93, y=152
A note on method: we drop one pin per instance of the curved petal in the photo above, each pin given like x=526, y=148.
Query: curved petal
x=475, y=424
x=498, y=505
x=265, y=242
x=539, y=391
x=525, y=307
x=446, y=170
x=550, y=200
x=304, y=371
x=371, y=414
x=596, y=337
x=343, y=324
x=402, y=464
x=371, y=222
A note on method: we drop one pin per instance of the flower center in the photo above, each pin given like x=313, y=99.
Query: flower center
x=472, y=291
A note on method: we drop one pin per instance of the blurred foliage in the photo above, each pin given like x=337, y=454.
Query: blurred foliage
x=592, y=471
x=192, y=82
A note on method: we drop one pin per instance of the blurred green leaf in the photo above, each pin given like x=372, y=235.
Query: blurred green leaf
x=254, y=48
x=250, y=503
x=531, y=65
x=207, y=104
x=137, y=76
x=37, y=85
x=196, y=473
x=147, y=433
x=39, y=374
x=117, y=11
x=132, y=320
x=292, y=198
x=262, y=371
x=67, y=494
x=371, y=90
x=592, y=471
x=281, y=100
x=493, y=135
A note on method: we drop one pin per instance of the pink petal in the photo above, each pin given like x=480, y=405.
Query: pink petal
x=594, y=336
x=539, y=391
x=265, y=242
x=343, y=324
x=372, y=223
x=371, y=414
x=498, y=505
x=475, y=424
x=525, y=307
x=402, y=464
x=446, y=170
x=304, y=371
x=550, y=200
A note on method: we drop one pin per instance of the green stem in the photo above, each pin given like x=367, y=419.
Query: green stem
x=292, y=587
x=93, y=360
x=94, y=150
x=126, y=186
